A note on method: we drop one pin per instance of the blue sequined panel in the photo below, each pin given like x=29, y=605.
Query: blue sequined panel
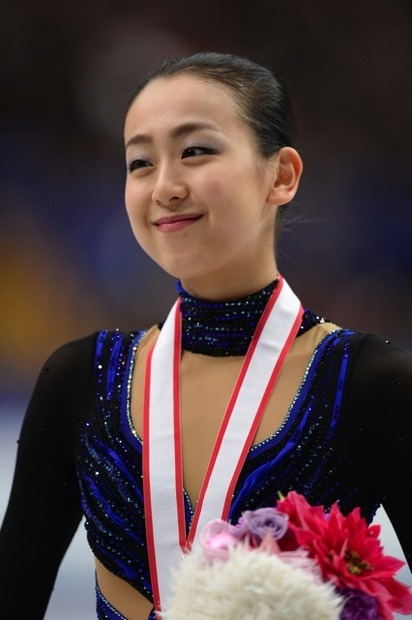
x=306, y=454
x=109, y=469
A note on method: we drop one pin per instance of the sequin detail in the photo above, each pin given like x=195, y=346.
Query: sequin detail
x=222, y=328
x=226, y=328
x=109, y=472
x=306, y=454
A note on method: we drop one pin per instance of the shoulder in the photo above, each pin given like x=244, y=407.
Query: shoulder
x=65, y=390
x=368, y=353
x=71, y=368
x=380, y=377
x=64, y=382
x=72, y=353
x=71, y=362
x=377, y=359
x=81, y=354
x=376, y=370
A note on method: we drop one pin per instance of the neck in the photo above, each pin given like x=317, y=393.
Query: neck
x=229, y=287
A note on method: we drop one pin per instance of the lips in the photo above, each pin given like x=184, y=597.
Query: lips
x=176, y=222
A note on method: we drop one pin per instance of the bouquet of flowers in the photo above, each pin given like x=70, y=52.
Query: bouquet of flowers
x=292, y=561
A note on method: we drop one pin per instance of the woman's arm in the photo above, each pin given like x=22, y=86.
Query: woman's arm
x=385, y=397
x=44, y=508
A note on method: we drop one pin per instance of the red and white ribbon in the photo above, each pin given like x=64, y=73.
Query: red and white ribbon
x=162, y=449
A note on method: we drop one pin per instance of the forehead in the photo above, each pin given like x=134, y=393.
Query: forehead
x=169, y=100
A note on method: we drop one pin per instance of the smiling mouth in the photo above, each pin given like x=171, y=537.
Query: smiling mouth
x=176, y=222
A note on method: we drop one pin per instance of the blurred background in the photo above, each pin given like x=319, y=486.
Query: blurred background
x=68, y=262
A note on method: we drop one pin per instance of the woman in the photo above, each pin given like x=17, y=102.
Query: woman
x=240, y=394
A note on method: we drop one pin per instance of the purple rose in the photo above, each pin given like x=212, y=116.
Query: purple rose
x=359, y=606
x=256, y=524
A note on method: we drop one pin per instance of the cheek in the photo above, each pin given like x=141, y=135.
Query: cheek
x=229, y=200
x=216, y=192
x=130, y=194
x=136, y=221
x=134, y=201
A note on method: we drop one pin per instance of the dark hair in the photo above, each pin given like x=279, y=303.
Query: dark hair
x=261, y=96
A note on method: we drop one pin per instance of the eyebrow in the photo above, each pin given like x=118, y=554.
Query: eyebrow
x=177, y=132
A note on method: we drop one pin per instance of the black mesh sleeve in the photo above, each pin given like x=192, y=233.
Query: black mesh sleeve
x=382, y=397
x=44, y=509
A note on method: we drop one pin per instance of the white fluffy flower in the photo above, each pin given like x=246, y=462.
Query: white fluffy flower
x=249, y=585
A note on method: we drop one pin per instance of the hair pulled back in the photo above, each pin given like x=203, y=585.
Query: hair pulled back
x=261, y=97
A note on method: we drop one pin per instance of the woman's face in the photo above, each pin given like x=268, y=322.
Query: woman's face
x=196, y=189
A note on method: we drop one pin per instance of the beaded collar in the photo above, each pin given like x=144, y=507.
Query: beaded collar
x=225, y=328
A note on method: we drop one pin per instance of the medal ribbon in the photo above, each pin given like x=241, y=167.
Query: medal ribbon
x=162, y=449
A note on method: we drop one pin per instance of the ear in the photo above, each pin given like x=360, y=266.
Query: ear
x=287, y=168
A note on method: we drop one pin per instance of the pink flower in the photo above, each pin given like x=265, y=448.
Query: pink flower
x=216, y=540
x=348, y=552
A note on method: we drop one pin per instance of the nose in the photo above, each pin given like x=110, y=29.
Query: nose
x=169, y=188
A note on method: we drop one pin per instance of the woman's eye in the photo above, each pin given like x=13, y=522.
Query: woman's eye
x=193, y=151
x=137, y=164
